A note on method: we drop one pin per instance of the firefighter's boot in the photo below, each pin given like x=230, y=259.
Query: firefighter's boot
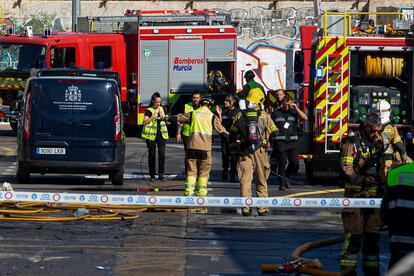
x=202, y=186
x=371, y=265
x=282, y=185
x=190, y=185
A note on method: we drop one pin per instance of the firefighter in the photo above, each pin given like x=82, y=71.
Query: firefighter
x=217, y=81
x=229, y=112
x=396, y=207
x=202, y=122
x=249, y=136
x=362, y=168
x=285, y=143
x=393, y=145
x=251, y=85
x=183, y=130
x=155, y=133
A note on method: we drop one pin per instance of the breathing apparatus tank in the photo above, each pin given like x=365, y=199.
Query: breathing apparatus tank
x=254, y=138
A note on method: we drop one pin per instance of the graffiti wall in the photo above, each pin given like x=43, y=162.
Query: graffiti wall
x=263, y=37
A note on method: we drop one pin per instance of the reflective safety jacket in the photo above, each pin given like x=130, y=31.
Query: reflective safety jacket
x=149, y=131
x=397, y=206
x=286, y=121
x=359, y=159
x=392, y=144
x=202, y=122
x=188, y=108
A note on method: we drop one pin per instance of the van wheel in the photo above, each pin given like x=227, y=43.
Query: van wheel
x=22, y=175
x=117, y=177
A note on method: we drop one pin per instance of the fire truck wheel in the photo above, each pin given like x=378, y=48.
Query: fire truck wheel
x=117, y=177
x=22, y=174
x=309, y=172
x=13, y=126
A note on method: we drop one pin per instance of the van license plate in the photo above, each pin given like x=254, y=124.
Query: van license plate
x=60, y=151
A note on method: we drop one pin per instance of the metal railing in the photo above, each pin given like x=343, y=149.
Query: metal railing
x=347, y=19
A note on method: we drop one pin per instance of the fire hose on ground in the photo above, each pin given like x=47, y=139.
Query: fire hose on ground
x=302, y=265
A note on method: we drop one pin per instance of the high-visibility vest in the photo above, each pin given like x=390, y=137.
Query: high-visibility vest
x=188, y=107
x=401, y=205
x=149, y=131
x=201, y=122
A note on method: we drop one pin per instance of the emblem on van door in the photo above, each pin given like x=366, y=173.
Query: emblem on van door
x=73, y=94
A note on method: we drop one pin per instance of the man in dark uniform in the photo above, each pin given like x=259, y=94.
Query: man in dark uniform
x=229, y=112
x=285, y=143
x=362, y=164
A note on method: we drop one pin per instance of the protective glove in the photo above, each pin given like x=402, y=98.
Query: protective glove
x=225, y=136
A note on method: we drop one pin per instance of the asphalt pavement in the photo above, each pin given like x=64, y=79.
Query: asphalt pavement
x=219, y=242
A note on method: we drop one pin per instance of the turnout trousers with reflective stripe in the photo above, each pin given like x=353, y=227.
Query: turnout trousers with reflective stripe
x=258, y=164
x=198, y=171
x=361, y=229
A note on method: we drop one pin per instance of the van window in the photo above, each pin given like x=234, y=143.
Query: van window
x=62, y=57
x=68, y=96
x=102, y=56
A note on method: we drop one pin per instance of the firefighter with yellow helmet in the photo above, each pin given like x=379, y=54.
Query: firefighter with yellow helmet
x=249, y=136
x=217, y=81
x=202, y=122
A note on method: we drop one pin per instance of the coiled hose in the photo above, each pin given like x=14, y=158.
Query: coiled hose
x=377, y=66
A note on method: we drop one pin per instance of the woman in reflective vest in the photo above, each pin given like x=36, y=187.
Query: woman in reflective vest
x=155, y=133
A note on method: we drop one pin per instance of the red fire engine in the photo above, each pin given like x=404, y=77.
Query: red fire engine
x=172, y=52
x=19, y=54
x=348, y=66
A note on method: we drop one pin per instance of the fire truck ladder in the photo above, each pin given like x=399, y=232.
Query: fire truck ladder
x=333, y=89
x=107, y=24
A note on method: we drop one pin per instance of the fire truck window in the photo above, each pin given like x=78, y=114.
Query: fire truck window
x=63, y=57
x=102, y=56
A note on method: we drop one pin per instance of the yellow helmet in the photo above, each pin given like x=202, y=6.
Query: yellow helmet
x=256, y=95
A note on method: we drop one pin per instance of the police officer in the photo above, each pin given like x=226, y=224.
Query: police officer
x=285, y=142
x=229, y=112
x=202, y=122
x=397, y=207
x=394, y=149
x=251, y=130
x=362, y=174
x=155, y=133
x=183, y=130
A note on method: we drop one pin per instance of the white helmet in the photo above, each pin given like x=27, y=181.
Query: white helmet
x=384, y=109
